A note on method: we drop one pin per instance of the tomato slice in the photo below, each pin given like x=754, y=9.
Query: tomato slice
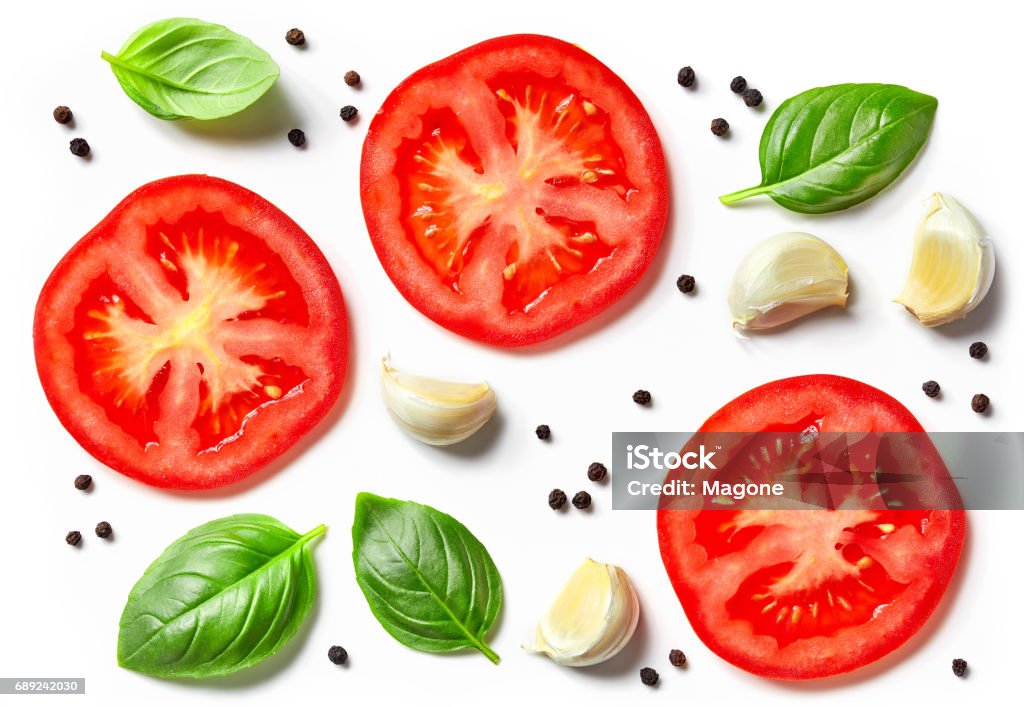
x=192, y=336
x=800, y=594
x=514, y=190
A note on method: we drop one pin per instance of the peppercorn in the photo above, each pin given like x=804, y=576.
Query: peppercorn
x=79, y=147
x=686, y=283
x=686, y=76
x=63, y=115
x=752, y=97
x=979, y=403
x=649, y=676
x=348, y=113
x=352, y=78
x=738, y=85
x=930, y=388
x=296, y=137
x=959, y=667
x=677, y=658
x=581, y=500
x=556, y=499
x=979, y=349
x=642, y=397
x=83, y=481
x=338, y=655
x=597, y=471
x=103, y=530
x=543, y=432
x=719, y=126
x=73, y=538
x=295, y=37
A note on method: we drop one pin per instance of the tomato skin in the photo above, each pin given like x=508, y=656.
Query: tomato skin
x=852, y=406
x=576, y=300
x=267, y=436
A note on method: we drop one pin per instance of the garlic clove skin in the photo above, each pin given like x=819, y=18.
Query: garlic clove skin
x=784, y=278
x=953, y=265
x=593, y=618
x=437, y=412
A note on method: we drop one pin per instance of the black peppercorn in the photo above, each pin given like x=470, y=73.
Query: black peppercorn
x=543, y=432
x=979, y=349
x=686, y=76
x=752, y=97
x=83, y=481
x=296, y=137
x=104, y=530
x=348, y=113
x=63, y=115
x=79, y=147
x=738, y=85
x=338, y=655
x=677, y=658
x=959, y=667
x=719, y=126
x=352, y=78
x=556, y=499
x=686, y=283
x=930, y=388
x=581, y=500
x=73, y=538
x=295, y=37
x=979, y=403
x=649, y=676
x=597, y=471
x=642, y=397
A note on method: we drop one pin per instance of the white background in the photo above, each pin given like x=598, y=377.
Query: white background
x=60, y=605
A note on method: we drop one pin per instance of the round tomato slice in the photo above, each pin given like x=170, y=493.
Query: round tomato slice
x=799, y=594
x=514, y=190
x=192, y=336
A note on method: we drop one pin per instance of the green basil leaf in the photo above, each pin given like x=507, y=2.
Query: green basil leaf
x=428, y=580
x=830, y=148
x=221, y=598
x=187, y=68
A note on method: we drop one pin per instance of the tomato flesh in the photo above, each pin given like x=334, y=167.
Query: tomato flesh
x=193, y=312
x=800, y=594
x=522, y=206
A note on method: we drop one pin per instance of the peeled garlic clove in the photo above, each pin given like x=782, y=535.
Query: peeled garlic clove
x=953, y=264
x=785, y=277
x=437, y=412
x=592, y=619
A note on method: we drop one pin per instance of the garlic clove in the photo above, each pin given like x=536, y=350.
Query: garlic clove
x=437, y=412
x=784, y=278
x=953, y=265
x=592, y=619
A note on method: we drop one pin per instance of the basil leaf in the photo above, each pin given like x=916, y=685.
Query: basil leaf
x=221, y=598
x=187, y=68
x=830, y=148
x=428, y=580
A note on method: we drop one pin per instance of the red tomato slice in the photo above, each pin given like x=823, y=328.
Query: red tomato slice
x=802, y=594
x=192, y=336
x=514, y=190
